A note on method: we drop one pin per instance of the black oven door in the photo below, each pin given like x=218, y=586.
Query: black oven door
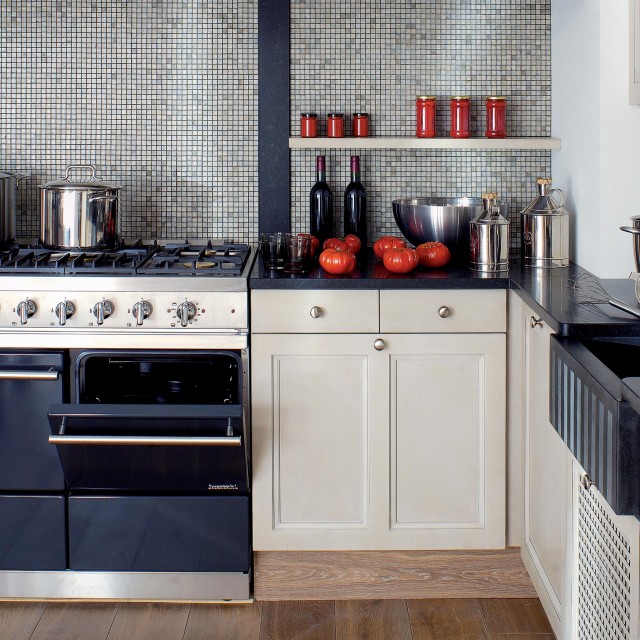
x=150, y=447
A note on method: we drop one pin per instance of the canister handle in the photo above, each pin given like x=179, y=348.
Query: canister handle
x=556, y=204
x=634, y=230
x=80, y=166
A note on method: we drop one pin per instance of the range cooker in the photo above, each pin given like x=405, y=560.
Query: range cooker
x=124, y=426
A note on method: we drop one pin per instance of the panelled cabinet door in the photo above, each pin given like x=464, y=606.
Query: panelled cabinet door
x=447, y=441
x=545, y=479
x=315, y=401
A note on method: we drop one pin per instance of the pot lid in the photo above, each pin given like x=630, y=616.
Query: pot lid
x=90, y=184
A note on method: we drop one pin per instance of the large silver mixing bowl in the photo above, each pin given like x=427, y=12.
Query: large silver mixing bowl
x=443, y=220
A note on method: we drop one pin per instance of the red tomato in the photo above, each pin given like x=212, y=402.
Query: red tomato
x=353, y=242
x=315, y=243
x=387, y=242
x=337, y=261
x=400, y=260
x=433, y=254
x=335, y=243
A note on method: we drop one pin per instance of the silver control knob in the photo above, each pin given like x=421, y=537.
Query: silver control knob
x=102, y=310
x=25, y=310
x=65, y=310
x=185, y=312
x=141, y=310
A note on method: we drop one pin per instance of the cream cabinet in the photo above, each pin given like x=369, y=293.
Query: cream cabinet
x=374, y=427
x=547, y=483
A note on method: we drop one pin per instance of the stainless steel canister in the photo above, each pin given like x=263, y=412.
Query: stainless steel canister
x=489, y=237
x=8, y=185
x=635, y=230
x=545, y=229
x=79, y=215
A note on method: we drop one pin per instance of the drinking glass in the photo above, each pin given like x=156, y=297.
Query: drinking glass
x=298, y=253
x=272, y=247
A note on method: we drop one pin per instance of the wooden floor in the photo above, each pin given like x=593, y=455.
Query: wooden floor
x=447, y=619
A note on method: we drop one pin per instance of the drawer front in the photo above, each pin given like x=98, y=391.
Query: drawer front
x=314, y=311
x=443, y=311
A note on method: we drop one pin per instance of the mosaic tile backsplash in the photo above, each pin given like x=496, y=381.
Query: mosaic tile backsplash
x=160, y=96
x=376, y=56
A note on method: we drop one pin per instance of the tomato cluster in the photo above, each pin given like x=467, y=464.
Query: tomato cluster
x=339, y=256
x=398, y=258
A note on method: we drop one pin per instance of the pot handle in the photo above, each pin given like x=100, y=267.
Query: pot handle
x=634, y=230
x=80, y=166
x=109, y=198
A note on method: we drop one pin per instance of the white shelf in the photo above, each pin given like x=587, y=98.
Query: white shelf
x=380, y=142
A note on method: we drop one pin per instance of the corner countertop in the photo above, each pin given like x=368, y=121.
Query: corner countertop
x=544, y=290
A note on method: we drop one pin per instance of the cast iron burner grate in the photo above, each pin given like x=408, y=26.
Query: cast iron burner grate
x=185, y=259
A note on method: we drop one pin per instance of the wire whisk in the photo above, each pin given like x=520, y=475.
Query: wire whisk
x=587, y=289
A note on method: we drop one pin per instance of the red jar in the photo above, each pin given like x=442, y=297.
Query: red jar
x=496, y=117
x=460, y=107
x=335, y=125
x=309, y=125
x=425, y=116
x=360, y=125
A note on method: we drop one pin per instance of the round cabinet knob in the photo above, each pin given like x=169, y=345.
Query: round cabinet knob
x=25, y=310
x=536, y=322
x=444, y=312
x=316, y=312
x=102, y=310
x=379, y=344
x=65, y=310
x=586, y=482
x=141, y=310
x=185, y=312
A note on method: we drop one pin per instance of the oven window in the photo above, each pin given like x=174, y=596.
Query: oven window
x=160, y=378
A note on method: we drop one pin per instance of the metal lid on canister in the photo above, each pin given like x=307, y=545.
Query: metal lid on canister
x=425, y=97
x=460, y=98
x=308, y=114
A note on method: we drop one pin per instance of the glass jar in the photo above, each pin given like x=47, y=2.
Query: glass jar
x=425, y=116
x=460, y=107
x=496, y=117
x=308, y=125
x=335, y=125
x=360, y=125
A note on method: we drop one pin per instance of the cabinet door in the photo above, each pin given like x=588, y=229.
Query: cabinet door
x=318, y=464
x=447, y=441
x=545, y=481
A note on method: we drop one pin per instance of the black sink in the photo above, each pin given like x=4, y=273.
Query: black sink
x=594, y=404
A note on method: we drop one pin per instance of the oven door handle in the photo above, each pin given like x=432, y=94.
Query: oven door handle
x=223, y=441
x=29, y=375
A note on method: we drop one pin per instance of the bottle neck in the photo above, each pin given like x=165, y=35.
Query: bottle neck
x=321, y=175
x=320, y=169
x=355, y=168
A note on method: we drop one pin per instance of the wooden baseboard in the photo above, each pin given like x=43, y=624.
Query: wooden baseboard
x=357, y=575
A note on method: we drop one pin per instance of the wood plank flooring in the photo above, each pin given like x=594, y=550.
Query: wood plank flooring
x=433, y=619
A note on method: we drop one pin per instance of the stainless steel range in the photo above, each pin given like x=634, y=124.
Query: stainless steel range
x=124, y=438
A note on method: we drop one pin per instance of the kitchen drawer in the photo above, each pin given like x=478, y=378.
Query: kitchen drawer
x=293, y=311
x=469, y=311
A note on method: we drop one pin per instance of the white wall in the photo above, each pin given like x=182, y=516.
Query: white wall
x=598, y=166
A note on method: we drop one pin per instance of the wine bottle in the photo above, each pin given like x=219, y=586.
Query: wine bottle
x=355, y=205
x=321, y=204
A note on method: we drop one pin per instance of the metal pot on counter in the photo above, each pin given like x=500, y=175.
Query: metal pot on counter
x=79, y=214
x=8, y=184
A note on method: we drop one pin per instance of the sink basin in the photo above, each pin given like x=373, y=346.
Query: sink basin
x=594, y=408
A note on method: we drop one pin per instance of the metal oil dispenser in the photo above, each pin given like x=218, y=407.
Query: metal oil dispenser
x=489, y=237
x=545, y=229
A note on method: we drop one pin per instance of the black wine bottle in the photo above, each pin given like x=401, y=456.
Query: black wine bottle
x=321, y=204
x=355, y=205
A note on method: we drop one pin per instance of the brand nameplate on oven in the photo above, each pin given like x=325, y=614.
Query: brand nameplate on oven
x=220, y=487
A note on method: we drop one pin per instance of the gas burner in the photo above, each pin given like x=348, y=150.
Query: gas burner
x=197, y=260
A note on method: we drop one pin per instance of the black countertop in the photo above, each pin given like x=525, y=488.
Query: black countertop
x=544, y=290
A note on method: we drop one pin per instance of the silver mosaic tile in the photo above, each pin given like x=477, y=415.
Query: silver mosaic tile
x=160, y=96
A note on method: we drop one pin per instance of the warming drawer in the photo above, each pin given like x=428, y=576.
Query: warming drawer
x=159, y=533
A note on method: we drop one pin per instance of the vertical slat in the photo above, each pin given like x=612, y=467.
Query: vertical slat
x=303, y=620
x=88, y=621
x=372, y=619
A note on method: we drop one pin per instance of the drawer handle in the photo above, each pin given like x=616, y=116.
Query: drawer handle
x=379, y=344
x=444, y=312
x=316, y=312
x=536, y=322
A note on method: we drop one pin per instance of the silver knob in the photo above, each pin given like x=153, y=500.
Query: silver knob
x=65, y=310
x=444, y=312
x=316, y=312
x=102, y=310
x=185, y=312
x=586, y=482
x=25, y=310
x=379, y=344
x=141, y=310
x=536, y=322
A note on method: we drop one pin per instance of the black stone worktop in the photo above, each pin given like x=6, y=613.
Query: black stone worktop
x=544, y=290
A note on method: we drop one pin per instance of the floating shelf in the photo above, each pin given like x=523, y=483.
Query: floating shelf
x=380, y=142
